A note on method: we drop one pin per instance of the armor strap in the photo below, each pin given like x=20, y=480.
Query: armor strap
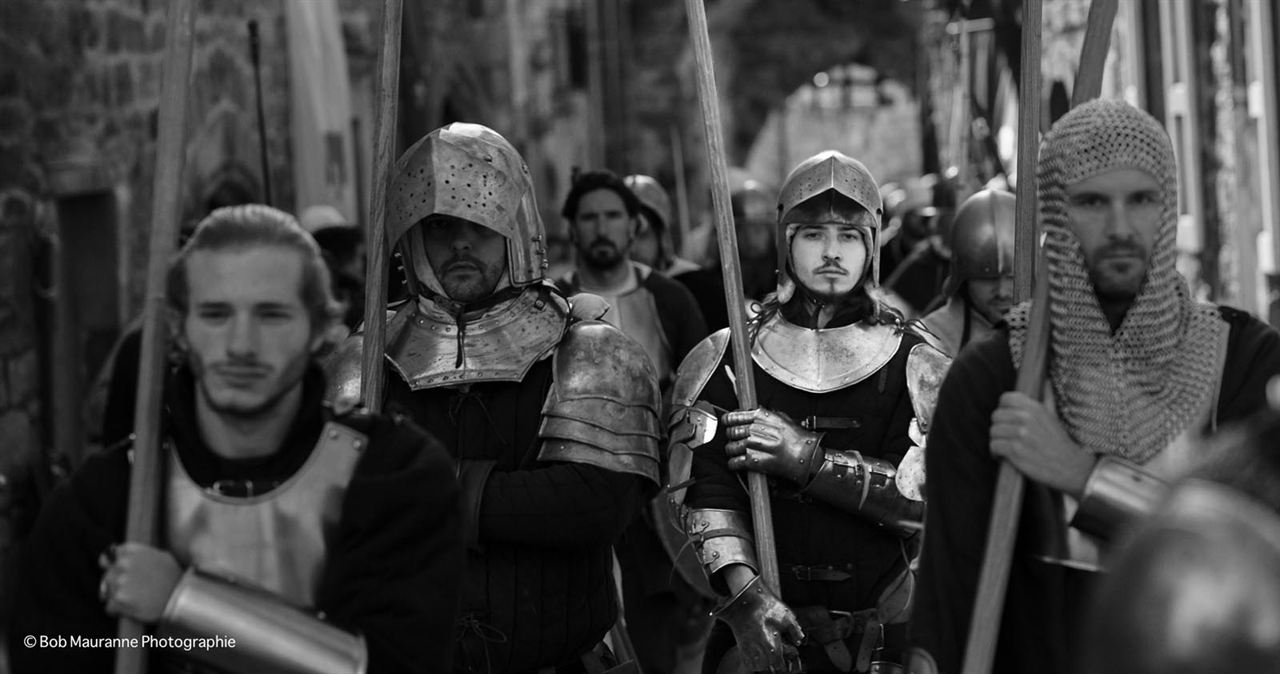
x=1116, y=491
x=721, y=537
x=866, y=487
x=472, y=476
x=270, y=635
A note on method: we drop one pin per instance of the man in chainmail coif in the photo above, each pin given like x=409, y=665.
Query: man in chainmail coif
x=1137, y=371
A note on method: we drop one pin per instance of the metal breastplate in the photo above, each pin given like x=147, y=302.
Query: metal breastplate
x=819, y=361
x=500, y=345
x=277, y=540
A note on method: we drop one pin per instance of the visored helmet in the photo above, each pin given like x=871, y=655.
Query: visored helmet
x=982, y=239
x=468, y=171
x=838, y=174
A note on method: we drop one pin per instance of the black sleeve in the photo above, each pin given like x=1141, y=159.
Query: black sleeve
x=56, y=593
x=1253, y=358
x=559, y=505
x=395, y=565
x=714, y=485
x=960, y=478
x=682, y=320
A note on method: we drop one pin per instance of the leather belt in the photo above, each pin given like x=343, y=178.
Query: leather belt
x=828, y=574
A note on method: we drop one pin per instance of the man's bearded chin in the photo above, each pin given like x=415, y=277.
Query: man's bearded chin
x=602, y=255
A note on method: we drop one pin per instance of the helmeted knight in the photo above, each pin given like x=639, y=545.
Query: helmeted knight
x=979, y=287
x=551, y=415
x=845, y=399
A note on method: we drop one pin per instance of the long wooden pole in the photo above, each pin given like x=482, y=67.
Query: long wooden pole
x=1006, y=508
x=372, y=377
x=730, y=266
x=166, y=211
x=269, y=197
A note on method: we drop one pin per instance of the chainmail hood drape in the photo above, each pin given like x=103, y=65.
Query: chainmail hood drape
x=1130, y=393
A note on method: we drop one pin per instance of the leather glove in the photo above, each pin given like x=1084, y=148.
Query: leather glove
x=771, y=443
x=766, y=631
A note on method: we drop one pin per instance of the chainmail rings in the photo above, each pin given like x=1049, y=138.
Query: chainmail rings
x=1130, y=393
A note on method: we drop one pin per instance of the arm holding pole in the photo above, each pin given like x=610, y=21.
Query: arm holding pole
x=1007, y=505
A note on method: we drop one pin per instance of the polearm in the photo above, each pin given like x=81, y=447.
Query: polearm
x=262, y=118
x=372, y=376
x=757, y=485
x=166, y=210
x=1006, y=508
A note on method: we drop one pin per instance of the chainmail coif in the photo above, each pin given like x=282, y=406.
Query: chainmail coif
x=1130, y=393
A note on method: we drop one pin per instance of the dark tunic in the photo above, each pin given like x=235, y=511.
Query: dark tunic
x=1044, y=601
x=393, y=564
x=812, y=534
x=919, y=278
x=539, y=589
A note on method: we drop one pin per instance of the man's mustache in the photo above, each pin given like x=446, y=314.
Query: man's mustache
x=601, y=241
x=831, y=268
x=1122, y=249
x=461, y=262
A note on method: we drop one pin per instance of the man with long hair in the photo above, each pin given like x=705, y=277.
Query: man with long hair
x=844, y=392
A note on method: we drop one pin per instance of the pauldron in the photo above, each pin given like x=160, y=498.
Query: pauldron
x=602, y=409
x=820, y=361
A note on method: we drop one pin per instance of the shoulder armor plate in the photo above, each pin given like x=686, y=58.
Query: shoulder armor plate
x=603, y=405
x=926, y=368
x=820, y=361
x=697, y=368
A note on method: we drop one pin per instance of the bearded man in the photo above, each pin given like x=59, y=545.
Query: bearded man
x=843, y=391
x=1137, y=370
x=551, y=415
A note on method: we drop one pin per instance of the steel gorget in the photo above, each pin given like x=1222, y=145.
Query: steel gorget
x=819, y=361
x=428, y=348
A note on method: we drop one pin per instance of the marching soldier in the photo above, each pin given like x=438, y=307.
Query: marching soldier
x=844, y=390
x=551, y=415
x=1136, y=370
x=979, y=288
x=654, y=245
x=306, y=542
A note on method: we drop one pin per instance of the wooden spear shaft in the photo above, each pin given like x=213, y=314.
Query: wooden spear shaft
x=730, y=266
x=1006, y=508
x=372, y=377
x=166, y=211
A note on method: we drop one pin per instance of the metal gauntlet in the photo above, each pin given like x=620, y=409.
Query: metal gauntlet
x=270, y=635
x=721, y=537
x=867, y=487
x=1116, y=492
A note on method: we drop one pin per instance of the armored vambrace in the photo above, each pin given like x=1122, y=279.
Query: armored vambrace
x=1116, y=492
x=270, y=636
x=721, y=537
x=866, y=487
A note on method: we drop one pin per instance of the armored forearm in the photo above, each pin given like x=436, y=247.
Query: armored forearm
x=270, y=636
x=1116, y=492
x=721, y=537
x=867, y=487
